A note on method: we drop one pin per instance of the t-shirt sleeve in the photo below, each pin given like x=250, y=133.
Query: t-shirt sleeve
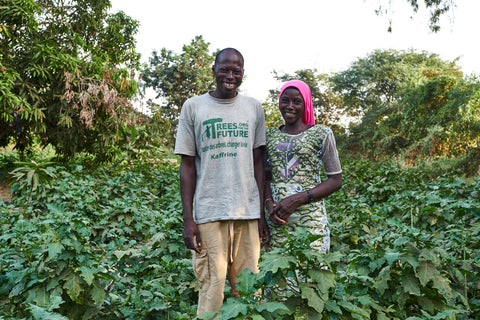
x=260, y=139
x=185, y=141
x=331, y=162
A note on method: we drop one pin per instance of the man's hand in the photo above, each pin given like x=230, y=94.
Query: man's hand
x=263, y=231
x=191, y=236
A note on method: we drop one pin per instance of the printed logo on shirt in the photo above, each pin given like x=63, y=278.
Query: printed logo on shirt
x=215, y=129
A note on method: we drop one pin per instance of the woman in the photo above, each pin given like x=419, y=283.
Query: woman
x=295, y=153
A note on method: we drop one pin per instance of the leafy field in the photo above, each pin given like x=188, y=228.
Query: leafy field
x=107, y=244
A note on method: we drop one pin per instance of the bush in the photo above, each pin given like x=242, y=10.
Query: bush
x=107, y=244
x=103, y=244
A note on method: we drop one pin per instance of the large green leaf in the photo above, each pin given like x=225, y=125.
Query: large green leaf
x=274, y=261
x=325, y=279
x=443, y=285
x=72, y=286
x=314, y=300
x=98, y=293
x=247, y=281
x=40, y=313
x=429, y=255
x=54, y=249
x=426, y=271
x=350, y=307
x=88, y=274
x=381, y=282
x=411, y=285
x=233, y=308
x=392, y=256
x=271, y=307
x=17, y=289
x=39, y=296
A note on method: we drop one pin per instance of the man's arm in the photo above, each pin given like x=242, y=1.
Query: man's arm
x=259, y=173
x=188, y=182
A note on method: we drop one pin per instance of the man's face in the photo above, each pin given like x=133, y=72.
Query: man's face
x=228, y=74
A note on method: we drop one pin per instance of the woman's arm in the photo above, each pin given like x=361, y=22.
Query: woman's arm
x=283, y=209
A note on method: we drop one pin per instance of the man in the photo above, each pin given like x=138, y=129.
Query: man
x=221, y=135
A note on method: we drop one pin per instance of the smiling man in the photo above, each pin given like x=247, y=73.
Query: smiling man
x=220, y=137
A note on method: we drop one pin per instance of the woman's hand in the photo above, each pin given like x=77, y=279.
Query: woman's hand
x=272, y=214
x=281, y=211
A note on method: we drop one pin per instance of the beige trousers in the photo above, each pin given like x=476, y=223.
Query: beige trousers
x=227, y=248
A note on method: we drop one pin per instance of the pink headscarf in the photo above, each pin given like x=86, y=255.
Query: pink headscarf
x=308, y=116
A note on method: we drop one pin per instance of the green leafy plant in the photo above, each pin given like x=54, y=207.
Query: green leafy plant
x=108, y=245
x=32, y=177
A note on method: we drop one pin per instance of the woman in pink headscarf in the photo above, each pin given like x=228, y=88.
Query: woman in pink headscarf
x=296, y=152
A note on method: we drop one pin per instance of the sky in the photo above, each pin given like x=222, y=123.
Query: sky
x=285, y=35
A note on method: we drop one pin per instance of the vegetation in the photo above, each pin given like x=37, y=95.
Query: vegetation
x=175, y=78
x=438, y=8
x=104, y=241
x=107, y=244
x=409, y=103
x=96, y=244
x=66, y=75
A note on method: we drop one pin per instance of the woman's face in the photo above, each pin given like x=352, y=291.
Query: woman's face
x=292, y=106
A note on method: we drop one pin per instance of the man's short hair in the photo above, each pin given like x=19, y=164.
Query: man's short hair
x=227, y=50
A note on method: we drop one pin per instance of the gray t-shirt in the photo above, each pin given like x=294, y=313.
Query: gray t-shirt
x=221, y=134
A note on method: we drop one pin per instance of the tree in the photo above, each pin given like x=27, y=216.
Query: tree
x=378, y=79
x=437, y=9
x=177, y=77
x=441, y=116
x=408, y=102
x=65, y=73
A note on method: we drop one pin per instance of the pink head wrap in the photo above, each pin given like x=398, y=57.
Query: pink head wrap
x=308, y=116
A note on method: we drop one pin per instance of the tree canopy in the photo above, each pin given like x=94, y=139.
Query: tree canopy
x=66, y=74
x=177, y=77
x=409, y=102
x=438, y=8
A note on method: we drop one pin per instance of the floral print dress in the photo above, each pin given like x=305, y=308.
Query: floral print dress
x=296, y=162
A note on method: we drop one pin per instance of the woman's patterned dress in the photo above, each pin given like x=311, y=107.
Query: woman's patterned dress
x=296, y=162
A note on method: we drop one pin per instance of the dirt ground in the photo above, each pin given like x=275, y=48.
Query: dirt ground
x=4, y=195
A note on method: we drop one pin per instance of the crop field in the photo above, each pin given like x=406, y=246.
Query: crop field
x=107, y=244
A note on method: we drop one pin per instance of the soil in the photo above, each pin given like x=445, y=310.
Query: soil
x=4, y=193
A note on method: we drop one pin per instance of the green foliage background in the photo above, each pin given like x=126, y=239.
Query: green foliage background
x=107, y=244
x=96, y=244
x=67, y=69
